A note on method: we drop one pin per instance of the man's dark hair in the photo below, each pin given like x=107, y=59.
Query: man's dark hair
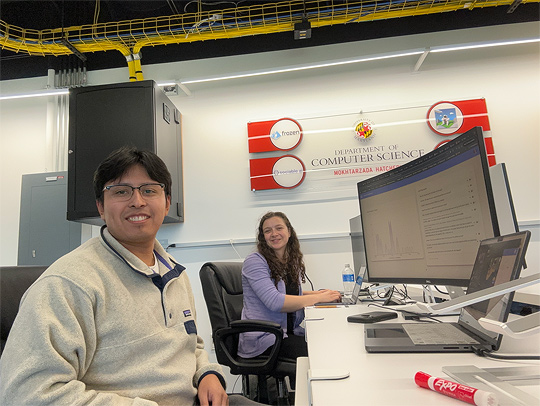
x=121, y=160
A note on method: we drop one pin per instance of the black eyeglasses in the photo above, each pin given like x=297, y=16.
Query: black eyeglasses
x=148, y=191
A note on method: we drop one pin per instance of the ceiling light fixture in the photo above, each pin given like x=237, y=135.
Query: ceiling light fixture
x=303, y=67
x=423, y=52
x=165, y=84
x=488, y=44
x=40, y=93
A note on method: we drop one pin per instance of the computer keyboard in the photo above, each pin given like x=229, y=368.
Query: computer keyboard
x=437, y=333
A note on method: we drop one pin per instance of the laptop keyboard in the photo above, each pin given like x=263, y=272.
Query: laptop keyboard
x=437, y=333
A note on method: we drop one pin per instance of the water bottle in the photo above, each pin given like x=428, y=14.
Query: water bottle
x=348, y=280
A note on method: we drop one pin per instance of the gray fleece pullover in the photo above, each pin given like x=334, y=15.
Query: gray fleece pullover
x=99, y=327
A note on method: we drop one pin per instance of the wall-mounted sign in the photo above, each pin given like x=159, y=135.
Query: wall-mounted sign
x=449, y=118
x=276, y=135
x=284, y=172
x=333, y=152
x=454, y=118
x=363, y=129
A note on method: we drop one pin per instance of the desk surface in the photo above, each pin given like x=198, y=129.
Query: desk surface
x=375, y=379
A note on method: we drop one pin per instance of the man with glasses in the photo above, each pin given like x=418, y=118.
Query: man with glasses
x=113, y=322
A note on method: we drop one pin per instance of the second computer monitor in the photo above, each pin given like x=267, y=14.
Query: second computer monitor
x=423, y=221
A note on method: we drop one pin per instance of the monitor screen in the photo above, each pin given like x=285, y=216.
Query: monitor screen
x=423, y=221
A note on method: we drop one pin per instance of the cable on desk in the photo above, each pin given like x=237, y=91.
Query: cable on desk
x=403, y=292
x=419, y=315
x=394, y=293
x=488, y=354
x=440, y=291
x=369, y=293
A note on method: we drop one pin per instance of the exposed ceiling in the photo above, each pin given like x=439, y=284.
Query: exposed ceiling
x=59, y=14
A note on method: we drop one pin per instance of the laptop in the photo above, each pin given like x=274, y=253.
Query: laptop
x=498, y=260
x=355, y=293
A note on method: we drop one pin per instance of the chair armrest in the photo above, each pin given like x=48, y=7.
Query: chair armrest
x=267, y=326
x=260, y=365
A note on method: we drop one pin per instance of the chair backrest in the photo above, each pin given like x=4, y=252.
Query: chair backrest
x=14, y=281
x=222, y=289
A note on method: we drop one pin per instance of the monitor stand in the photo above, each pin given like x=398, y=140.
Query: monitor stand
x=455, y=291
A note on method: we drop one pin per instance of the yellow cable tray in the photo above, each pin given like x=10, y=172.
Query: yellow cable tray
x=130, y=36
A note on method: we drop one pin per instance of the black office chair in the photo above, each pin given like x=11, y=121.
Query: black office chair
x=14, y=281
x=222, y=289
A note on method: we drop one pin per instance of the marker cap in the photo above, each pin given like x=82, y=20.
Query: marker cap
x=484, y=398
x=421, y=379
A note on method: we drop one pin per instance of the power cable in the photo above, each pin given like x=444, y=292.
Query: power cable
x=481, y=352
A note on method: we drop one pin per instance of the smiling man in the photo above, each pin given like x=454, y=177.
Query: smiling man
x=113, y=322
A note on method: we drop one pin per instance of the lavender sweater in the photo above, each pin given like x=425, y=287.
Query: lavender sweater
x=263, y=301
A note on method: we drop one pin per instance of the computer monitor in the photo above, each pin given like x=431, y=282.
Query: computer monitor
x=504, y=203
x=357, y=246
x=423, y=221
x=502, y=196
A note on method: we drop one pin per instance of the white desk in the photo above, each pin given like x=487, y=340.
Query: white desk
x=375, y=379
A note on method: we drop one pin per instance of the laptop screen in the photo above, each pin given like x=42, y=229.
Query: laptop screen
x=498, y=260
x=357, y=286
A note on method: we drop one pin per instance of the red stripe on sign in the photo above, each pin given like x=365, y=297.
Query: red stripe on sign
x=490, y=151
x=489, y=145
x=474, y=113
x=260, y=174
x=259, y=136
x=283, y=172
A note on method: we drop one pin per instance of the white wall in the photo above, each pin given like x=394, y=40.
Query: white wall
x=219, y=205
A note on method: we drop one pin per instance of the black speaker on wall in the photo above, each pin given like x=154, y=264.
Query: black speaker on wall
x=106, y=117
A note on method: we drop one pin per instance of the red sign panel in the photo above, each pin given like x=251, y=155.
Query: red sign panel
x=275, y=135
x=283, y=172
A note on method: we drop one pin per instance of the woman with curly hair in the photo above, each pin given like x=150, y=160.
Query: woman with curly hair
x=272, y=282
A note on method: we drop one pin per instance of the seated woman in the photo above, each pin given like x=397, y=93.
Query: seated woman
x=271, y=280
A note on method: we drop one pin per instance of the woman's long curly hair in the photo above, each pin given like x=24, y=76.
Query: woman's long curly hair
x=292, y=267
